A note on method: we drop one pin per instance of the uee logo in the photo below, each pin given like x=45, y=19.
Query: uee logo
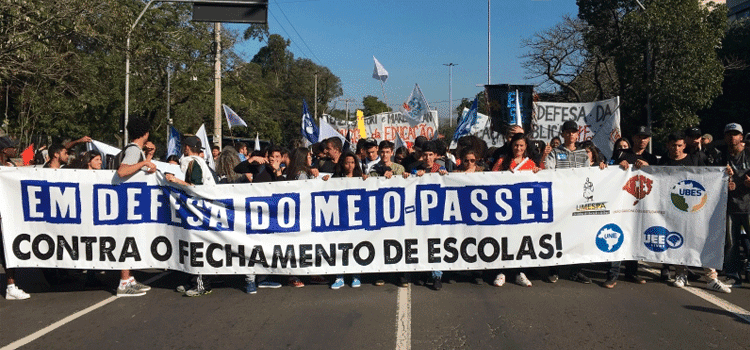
x=638, y=186
x=609, y=238
x=658, y=239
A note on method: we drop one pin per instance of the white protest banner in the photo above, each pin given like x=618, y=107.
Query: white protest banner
x=483, y=130
x=385, y=126
x=597, y=121
x=81, y=219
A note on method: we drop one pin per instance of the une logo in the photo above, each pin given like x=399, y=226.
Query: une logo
x=658, y=239
x=609, y=238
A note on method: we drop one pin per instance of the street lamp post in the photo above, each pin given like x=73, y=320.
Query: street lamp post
x=648, y=75
x=450, y=92
x=127, y=69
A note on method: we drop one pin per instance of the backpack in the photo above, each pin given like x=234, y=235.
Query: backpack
x=119, y=157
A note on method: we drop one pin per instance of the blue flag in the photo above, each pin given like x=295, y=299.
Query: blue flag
x=309, y=129
x=174, y=145
x=464, y=126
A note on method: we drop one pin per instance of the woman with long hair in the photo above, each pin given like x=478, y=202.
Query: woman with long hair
x=300, y=163
x=91, y=160
x=226, y=161
x=518, y=156
x=470, y=162
x=517, y=159
x=348, y=166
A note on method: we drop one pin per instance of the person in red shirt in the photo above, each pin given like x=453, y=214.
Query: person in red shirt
x=518, y=157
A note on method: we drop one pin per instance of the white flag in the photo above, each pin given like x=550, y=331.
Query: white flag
x=415, y=108
x=328, y=131
x=206, y=146
x=379, y=72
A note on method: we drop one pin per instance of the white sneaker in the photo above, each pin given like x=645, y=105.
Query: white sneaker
x=15, y=293
x=499, y=280
x=680, y=281
x=716, y=285
x=522, y=280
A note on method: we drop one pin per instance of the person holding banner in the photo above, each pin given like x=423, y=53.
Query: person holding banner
x=568, y=155
x=8, y=150
x=333, y=149
x=196, y=173
x=637, y=156
x=348, y=166
x=386, y=167
x=428, y=165
x=517, y=159
x=736, y=156
x=133, y=161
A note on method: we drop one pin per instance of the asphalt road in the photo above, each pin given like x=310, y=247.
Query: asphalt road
x=463, y=315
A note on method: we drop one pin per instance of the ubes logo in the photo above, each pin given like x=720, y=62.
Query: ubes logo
x=639, y=187
x=658, y=239
x=688, y=196
x=609, y=238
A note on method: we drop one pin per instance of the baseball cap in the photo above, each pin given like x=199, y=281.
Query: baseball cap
x=6, y=142
x=733, y=127
x=693, y=132
x=193, y=142
x=644, y=131
x=570, y=125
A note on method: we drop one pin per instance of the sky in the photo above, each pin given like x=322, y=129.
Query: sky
x=412, y=39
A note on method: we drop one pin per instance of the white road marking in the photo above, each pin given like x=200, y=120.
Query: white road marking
x=403, y=320
x=40, y=333
x=727, y=306
x=736, y=310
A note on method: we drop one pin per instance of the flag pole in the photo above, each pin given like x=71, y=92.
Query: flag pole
x=384, y=95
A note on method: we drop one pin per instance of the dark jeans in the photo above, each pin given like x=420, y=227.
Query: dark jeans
x=631, y=269
x=732, y=258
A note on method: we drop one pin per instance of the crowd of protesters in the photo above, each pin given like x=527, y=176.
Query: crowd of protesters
x=368, y=158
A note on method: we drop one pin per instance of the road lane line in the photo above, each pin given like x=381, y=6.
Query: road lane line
x=727, y=306
x=403, y=320
x=734, y=309
x=40, y=333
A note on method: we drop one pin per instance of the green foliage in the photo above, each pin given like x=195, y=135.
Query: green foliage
x=732, y=106
x=681, y=38
x=373, y=105
x=62, y=68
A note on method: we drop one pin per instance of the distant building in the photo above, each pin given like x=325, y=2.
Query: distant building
x=738, y=9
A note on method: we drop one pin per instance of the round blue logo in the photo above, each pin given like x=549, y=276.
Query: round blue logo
x=609, y=238
x=658, y=239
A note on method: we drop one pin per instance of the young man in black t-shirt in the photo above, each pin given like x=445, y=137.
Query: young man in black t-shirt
x=637, y=156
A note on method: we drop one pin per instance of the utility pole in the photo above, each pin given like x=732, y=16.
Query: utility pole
x=217, y=87
x=169, y=79
x=488, y=44
x=450, y=91
x=316, y=96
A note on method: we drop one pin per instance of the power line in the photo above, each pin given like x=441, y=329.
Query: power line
x=300, y=36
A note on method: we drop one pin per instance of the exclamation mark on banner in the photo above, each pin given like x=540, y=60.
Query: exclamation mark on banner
x=558, y=244
x=545, y=203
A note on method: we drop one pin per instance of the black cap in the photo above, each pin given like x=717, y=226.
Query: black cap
x=644, y=131
x=693, y=132
x=6, y=142
x=193, y=142
x=419, y=142
x=570, y=125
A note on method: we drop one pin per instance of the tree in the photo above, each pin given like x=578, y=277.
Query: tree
x=733, y=105
x=678, y=40
x=373, y=105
